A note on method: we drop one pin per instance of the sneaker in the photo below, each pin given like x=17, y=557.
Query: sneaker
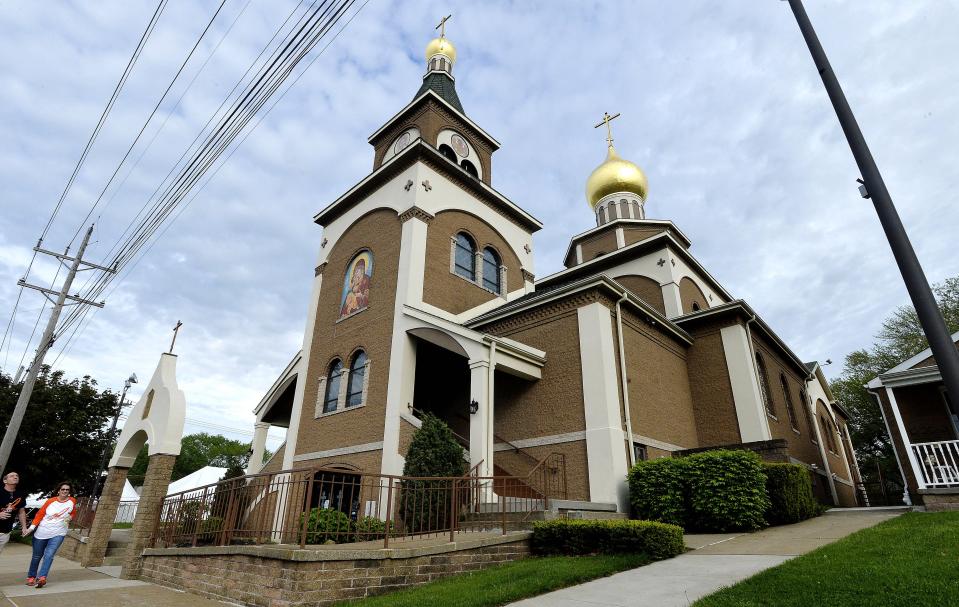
x=41, y=582
x=31, y=581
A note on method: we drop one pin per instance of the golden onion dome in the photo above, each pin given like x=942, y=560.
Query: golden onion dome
x=615, y=175
x=441, y=46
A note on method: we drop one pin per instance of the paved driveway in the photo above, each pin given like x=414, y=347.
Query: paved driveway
x=715, y=561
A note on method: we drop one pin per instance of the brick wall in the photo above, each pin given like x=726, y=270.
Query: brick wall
x=774, y=450
x=265, y=576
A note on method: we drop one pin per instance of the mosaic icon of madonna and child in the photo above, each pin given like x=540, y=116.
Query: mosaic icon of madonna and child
x=356, y=284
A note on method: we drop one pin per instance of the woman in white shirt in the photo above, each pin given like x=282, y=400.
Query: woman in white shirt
x=51, y=524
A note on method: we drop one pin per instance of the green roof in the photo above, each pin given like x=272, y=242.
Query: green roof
x=442, y=85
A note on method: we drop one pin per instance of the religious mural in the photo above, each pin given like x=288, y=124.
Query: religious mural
x=356, y=284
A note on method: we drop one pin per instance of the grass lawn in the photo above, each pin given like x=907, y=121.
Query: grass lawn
x=123, y=525
x=910, y=560
x=509, y=582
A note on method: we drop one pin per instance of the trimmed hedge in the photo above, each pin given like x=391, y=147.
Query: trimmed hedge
x=657, y=490
x=727, y=491
x=721, y=490
x=790, y=494
x=581, y=537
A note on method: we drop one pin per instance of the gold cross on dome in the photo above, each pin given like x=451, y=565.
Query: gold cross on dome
x=609, y=132
x=442, y=25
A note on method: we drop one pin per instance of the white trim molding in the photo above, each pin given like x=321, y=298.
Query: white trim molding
x=302, y=457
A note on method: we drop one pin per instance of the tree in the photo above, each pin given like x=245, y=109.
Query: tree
x=197, y=451
x=62, y=433
x=433, y=452
x=899, y=338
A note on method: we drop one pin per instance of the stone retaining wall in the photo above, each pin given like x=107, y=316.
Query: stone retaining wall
x=273, y=576
x=74, y=546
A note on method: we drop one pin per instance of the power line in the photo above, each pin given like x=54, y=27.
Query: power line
x=106, y=111
x=76, y=169
x=283, y=63
x=149, y=118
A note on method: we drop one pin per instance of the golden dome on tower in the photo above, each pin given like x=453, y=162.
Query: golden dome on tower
x=615, y=175
x=441, y=46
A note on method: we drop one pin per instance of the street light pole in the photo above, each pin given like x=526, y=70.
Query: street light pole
x=933, y=324
x=113, y=426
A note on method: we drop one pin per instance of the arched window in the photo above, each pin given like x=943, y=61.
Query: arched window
x=332, y=394
x=695, y=307
x=764, y=384
x=827, y=434
x=789, y=403
x=470, y=168
x=491, y=278
x=464, y=257
x=602, y=215
x=804, y=403
x=448, y=152
x=357, y=381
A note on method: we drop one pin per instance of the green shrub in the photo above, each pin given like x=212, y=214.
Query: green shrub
x=790, y=494
x=578, y=537
x=434, y=452
x=209, y=529
x=657, y=490
x=727, y=491
x=327, y=524
x=371, y=528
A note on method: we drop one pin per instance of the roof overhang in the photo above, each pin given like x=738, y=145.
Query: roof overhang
x=614, y=258
x=288, y=375
x=669, y=225
x=741, y=309
x=420, y=151
x=601, y=281
x=429, y=94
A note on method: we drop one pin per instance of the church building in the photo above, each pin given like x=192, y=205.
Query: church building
x=425, y=299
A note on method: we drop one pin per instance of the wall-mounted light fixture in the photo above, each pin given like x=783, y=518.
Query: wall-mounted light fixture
x=474, y=407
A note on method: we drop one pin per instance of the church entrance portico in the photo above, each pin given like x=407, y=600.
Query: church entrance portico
x=453, y=373
x=441, y=387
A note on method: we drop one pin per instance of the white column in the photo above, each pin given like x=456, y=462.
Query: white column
x=605, y=446
x=620, y=238
x=259, y=445
x=750, y=411
x=907, y=444
x=481, y=429
x=402, y=365
x=672, y=300
x=298, y=395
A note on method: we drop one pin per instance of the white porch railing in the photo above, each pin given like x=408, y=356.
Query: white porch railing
x=938, y=464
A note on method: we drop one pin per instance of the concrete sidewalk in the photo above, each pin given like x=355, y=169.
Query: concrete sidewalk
x=69, y=583
x=715, y=561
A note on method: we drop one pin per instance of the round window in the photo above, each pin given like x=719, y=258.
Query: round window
x=459, y=144
x=402, y=141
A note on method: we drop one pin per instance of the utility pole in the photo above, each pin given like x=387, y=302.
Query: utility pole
x=113, y=426
x=10, y=436
x=873, y=187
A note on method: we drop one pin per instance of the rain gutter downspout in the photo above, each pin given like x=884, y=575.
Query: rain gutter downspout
x=622, y=375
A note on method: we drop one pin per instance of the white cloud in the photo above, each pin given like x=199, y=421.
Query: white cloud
x=720, y=103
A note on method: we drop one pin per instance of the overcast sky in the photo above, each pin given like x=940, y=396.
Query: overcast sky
x=720, y=103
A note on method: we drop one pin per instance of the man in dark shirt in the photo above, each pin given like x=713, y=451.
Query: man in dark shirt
x=13, y=503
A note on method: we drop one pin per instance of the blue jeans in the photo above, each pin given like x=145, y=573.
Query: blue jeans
x=44, y=549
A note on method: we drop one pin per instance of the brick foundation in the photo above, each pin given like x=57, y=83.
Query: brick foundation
x=937, y=500
x=273, y=576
